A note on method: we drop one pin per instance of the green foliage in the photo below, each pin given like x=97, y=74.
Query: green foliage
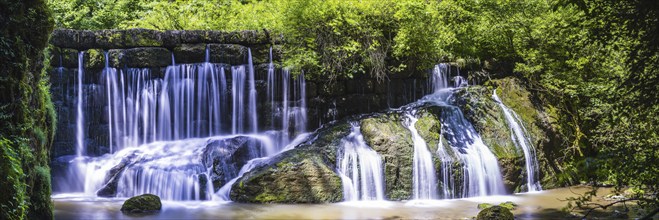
x=12, y=189
x=27, y=113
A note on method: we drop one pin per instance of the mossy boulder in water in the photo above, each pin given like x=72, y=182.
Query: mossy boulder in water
x=387, y=136
x=495, y=213
x=301, y=175
x=141, y=204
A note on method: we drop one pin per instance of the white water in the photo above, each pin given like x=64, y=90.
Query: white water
x=424, y=180
x=80, y=117
x=521, y=140
x=360, y=168
x=481, y=173
x=159, y=127
x=446, y=158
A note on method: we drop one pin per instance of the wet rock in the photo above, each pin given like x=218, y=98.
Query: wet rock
x=76, y=39
x=482, y=206
x=202, y=37
x=302, y=175
x=171, y=38
x=232, y=54
x=64, y=57
x=116, y=39
x=489, y=120
x=143, y=57
x=94, y=59
x=190, y=53
x=227, y=156
x=142, y=204
x=495, y=213
x=112, y=177
x=387, y=136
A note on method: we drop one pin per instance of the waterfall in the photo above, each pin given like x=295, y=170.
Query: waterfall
x=285, y=116
x=301, y=110
x=161, y=127
x=480, y=168
x=224, y=193
x=482, y=175
x=448, y=181
x=360, y=168
x=271, y=90
x=80, y=117
x=238, y=91
x=252, y=94
x=521, y=140
x=424, y=179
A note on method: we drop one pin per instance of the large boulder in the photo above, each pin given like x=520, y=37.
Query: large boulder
x=142, y=204
x=227, y=156
x=301, y=175
x=495, y=213
x=386, y=135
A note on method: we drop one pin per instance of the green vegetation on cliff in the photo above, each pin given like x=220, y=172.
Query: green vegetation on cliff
x=27, y=116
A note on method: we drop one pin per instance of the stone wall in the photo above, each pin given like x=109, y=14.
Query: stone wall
x=141, y=48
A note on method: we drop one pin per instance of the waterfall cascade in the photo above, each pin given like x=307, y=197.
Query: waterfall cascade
x=161, y=130
x=521, y=140
x=190, y=134
x=360, y=168
x=424, y=179
x=481, y=175
x=80, y=117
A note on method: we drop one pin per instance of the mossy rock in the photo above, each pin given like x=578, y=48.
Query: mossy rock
x=142, y=204
x=535, y=117
x=386, y=135
x=116, y=39
x=302, y=175
x=509, y=205
x=495, y=213
x=488, y=119
x=482, y=206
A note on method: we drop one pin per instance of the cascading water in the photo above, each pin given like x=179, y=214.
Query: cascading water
x=522, y=141
x=80, y=117
x=360, y=168
x=481, y=174
x=161, y=130
x=446, y=158
x=424, y=179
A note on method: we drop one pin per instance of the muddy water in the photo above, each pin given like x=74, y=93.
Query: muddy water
x=545, y=204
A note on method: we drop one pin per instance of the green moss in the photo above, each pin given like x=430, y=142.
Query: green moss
x=387, y=136
x=509, y=205
x=484, y=206
x=142, y=203
x=94, y=59
x=495, y=212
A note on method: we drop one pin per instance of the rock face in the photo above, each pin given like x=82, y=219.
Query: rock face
x=387, y=136
x=227, y=156
x=488, y=119
x=302, y=175
x=141, y=204
x=495, y=213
